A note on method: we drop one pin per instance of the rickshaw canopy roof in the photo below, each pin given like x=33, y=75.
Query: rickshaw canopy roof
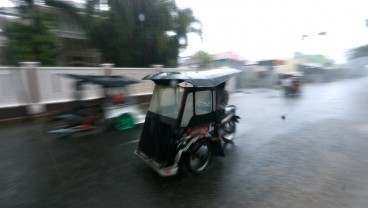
x=106, y=81
x=205, y=78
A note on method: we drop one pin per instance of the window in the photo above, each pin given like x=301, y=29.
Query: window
x=55, y=83
x=203, y=102
x=188, y=110
x=166, y=100
x=7, y=89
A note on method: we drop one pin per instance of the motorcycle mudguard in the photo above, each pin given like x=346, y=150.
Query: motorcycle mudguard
x=217, y=149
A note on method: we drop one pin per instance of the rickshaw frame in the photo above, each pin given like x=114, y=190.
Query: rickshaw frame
x=165, y=141
x=109, y=83
x=79, y=118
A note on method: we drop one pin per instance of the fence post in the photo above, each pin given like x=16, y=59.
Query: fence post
x=107, y=67
x=31, y=87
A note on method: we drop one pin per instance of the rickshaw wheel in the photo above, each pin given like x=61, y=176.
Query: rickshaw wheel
x=55, y=124
x=124, y=122
x=199, y=156
x=229, y=131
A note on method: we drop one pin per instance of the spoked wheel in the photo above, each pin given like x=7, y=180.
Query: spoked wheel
x=57, y=129
x=199, y=156
x=229, y=131
x=124, y=122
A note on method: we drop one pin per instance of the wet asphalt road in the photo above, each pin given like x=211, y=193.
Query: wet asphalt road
x=316, y=157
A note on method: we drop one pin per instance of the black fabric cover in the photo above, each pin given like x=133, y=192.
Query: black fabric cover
x=157, y=138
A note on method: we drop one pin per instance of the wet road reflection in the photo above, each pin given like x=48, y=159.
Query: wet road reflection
x=314, y=157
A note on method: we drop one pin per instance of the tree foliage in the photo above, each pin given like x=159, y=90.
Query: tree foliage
x=133, y=33
x=32, y=41
x=203, y=59
x=315, y=58
x=320, y=59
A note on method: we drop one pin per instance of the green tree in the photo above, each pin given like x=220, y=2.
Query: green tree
x=82, y=17
x=203, y=59
x=320, y=59
x=32, y=41
x=134, y=32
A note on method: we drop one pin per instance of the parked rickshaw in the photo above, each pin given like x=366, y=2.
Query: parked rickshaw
x=114, y=108
x=183, y=124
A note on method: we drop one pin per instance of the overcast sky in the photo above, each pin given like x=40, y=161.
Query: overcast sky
x=270, y=29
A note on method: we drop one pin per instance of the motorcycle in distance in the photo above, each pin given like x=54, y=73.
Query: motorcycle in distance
x=183, y=126
x=291, y=85
x=113, y=109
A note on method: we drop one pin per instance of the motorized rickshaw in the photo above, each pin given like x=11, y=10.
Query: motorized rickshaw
x=291, y=83
x=183, y=124
x=113, y=109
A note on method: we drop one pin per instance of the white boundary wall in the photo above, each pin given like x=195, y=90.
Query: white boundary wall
x=11, y=87
x=31, y=85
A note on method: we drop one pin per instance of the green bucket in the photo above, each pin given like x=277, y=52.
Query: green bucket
x=124, y=122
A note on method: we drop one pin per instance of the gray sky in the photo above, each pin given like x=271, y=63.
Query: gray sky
x=270, y=29
x=5, y=3
x=262, y=29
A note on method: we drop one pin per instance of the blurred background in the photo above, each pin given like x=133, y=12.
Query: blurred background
x=322, y=41
x=141, y=33
x=303, y=150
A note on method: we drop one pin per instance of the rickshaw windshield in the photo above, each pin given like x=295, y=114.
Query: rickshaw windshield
x=166, y=100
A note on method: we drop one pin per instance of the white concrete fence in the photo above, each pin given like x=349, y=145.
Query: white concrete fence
x=34, y=87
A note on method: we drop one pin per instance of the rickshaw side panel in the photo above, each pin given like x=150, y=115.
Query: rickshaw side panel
x=157, y=139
